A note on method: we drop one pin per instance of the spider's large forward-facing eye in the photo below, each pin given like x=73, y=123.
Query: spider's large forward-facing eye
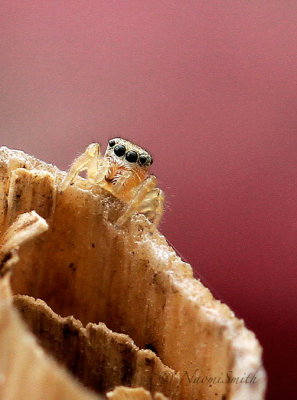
x=111, y=143
x=131, y=156
x=119, y=150
x=142, y=159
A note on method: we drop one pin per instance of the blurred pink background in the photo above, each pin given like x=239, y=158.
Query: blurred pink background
x=209, y=88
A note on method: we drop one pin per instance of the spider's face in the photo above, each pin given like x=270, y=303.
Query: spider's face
x=125, y=152
x=126, y=156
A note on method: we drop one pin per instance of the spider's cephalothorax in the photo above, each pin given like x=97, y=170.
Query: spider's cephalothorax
x=123, y=171
x=128, y=167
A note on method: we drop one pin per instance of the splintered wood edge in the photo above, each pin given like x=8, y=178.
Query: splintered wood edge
x=24, y=228
x=112, y=357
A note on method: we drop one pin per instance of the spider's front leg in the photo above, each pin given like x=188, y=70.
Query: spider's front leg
x=91, y=161
x=148, y=200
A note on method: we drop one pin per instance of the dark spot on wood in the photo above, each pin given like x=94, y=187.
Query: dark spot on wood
x=68, y=332
x=224, y=397
x=4, y=270
x=18, y=196
x=128, y=366
x=72, y=267
x=151, y=347
x=149, y=361
x=5, y=259
x=93, y=245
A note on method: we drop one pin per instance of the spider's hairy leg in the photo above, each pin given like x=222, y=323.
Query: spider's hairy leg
x=153, y=206
x=148, y=200
x=91, y=161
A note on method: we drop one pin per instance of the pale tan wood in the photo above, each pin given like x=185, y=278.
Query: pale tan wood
x=26, y=372
x=122, y=393
x=128, y=278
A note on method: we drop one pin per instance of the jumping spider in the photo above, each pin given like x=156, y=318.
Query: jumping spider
x=123, y=171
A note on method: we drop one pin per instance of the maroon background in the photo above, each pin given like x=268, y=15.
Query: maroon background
x=210, y=89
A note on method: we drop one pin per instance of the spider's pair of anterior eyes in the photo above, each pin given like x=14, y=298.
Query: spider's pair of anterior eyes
x=131, y=155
